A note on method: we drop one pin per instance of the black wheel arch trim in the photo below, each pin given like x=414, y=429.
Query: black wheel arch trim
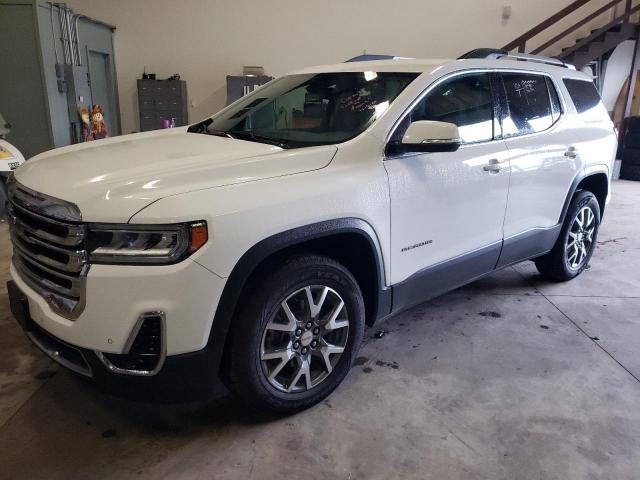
x=581, y=175
x=252, y=258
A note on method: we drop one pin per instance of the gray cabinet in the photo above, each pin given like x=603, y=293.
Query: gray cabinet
x=162, y=99
x=240, y=85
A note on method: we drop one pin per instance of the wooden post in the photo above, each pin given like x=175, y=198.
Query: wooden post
x=633, y=73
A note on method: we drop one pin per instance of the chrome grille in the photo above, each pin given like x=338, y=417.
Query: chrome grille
x=49, y=248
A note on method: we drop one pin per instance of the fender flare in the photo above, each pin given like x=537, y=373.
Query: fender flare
x=259, y=252
x=581, y=175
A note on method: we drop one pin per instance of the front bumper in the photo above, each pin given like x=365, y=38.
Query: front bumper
x=116, y=296
x=185, y=377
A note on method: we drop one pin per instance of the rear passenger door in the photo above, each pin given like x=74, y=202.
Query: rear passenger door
x=544, y=160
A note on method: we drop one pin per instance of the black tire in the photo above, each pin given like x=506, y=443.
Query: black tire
x=555, y=265
x=632, y=140
x=630, y=172
x=631, y=156
x=633, y=125
x=622, y=132
x=262, y=302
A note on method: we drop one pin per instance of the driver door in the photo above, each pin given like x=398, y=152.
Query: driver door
x=448, y=208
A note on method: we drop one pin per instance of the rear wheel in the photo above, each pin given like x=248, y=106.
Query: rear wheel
x=296, y=337
x=576, y=242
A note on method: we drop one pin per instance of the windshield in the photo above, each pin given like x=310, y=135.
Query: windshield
x=311, y=109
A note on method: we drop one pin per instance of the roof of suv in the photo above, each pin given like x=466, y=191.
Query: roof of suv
x=395, y=65
x=430, y=65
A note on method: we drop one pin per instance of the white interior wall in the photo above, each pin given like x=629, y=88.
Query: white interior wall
x=205, y=40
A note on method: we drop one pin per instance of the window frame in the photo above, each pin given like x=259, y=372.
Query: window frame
x=499, y=97
x=495, y=100
x=504, y=102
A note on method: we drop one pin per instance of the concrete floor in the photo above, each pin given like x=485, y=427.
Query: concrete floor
x=510, y=377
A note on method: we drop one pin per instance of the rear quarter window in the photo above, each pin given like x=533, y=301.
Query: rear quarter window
x=586, y=99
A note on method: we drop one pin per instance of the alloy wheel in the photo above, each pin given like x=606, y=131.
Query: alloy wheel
x=580, y=238
x=304, y=339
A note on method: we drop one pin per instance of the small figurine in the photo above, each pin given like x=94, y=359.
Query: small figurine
x=98, y=128
x=85, y=126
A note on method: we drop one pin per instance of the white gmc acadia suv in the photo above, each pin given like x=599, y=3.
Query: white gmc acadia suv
x=251, y=249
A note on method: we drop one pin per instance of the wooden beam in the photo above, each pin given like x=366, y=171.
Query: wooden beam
x=633, y=74
x=582, y=22
x=522, y=39
x=622, y=18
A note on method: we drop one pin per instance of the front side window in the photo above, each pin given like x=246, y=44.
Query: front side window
x=310, y=109
x=464, y=101
x=529, y=104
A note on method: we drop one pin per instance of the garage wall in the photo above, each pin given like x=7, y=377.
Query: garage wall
x=23, y=99
x=205, y=40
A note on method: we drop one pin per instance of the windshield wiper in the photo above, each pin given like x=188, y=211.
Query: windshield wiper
x=218, y=133
x=252, y=137
x=200, y=127
x=203, y=127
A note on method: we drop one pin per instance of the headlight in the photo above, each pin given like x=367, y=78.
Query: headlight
x=144, y=244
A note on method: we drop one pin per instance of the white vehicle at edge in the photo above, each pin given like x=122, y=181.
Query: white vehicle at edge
x=252, y=248
x=10, y=159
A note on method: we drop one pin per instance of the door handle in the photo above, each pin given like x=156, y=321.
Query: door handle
x=571, y=152
x=493, y=166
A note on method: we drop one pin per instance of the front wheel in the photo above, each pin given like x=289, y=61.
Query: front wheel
x=297, y=334
x=576, y=242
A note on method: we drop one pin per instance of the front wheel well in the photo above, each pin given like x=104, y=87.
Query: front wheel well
x=353, y=250
x=356, y=251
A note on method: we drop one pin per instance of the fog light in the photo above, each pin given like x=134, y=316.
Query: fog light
x=145, y=351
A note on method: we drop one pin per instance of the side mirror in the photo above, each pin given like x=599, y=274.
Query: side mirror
x=427, y=136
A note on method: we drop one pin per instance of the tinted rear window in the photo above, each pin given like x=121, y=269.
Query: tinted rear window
x=585, y=97
x=529, y=104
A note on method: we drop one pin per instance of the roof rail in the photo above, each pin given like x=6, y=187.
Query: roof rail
x=367, y=57
x=494, y=54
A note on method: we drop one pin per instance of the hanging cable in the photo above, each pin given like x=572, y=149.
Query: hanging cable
x=53, y=33
x=76, y=38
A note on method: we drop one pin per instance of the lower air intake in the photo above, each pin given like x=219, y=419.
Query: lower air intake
x=145, y=350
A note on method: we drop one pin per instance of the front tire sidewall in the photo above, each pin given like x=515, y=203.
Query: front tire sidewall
x=255, y=388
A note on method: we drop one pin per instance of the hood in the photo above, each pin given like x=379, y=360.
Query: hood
x=110, y=180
